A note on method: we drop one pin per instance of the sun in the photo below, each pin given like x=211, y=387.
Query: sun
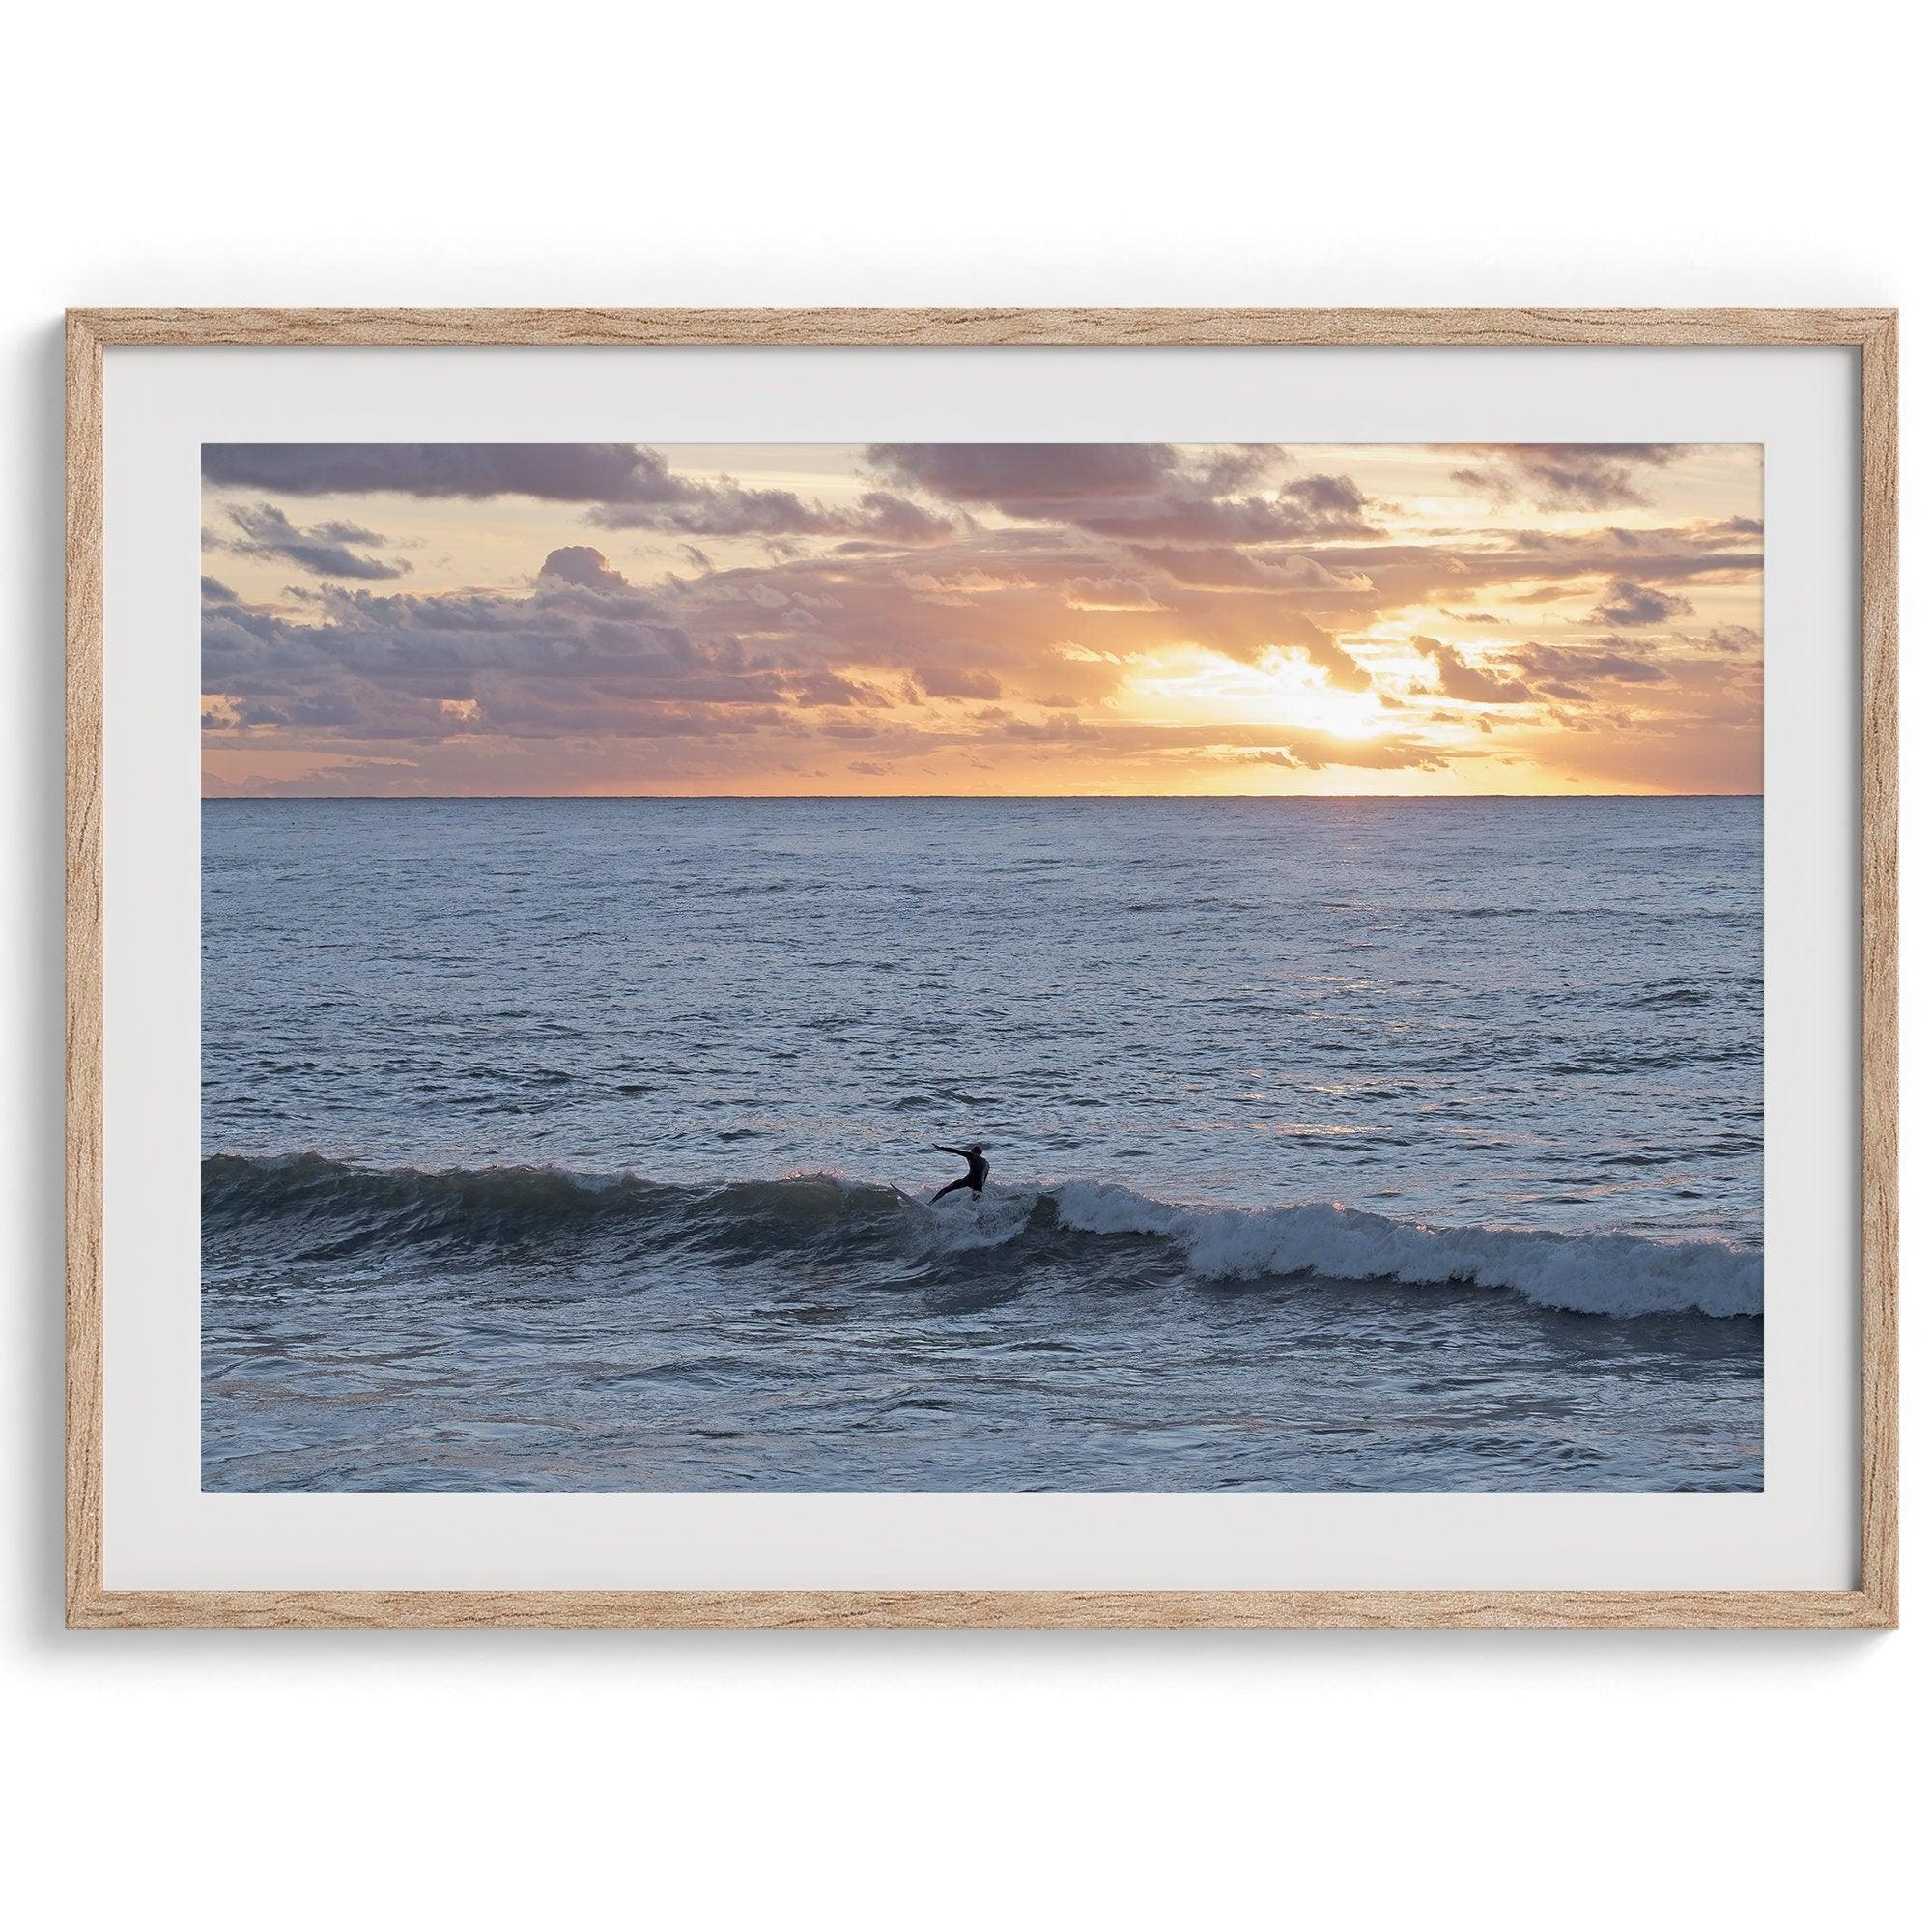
x=1186, y=685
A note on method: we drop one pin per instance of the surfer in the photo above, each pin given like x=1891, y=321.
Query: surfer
x=975, y=1176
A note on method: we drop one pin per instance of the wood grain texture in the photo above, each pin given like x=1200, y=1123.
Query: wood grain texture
x=986, y=1610
x=84, y=1066
x=1879, y=948
x=865, y=327
x=90, y=1604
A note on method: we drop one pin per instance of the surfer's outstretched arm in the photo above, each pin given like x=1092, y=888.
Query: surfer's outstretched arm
x=964, y=1180
x=960, y=1151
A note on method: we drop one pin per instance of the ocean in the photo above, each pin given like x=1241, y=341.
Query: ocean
x=1336, y=1145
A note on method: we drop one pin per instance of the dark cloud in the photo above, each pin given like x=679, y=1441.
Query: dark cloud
x=1065, y=728
x=1582, y=663
x=1629, y=606
x=323, y=548
x=579, y=563
x=1222, y=566
x=1029, y=479
x=566, y=472
x=955, y=681
x=728, y=510
x=1151, y=492
x=623, y=485
x=894, y=520
x=1534, y=566
x=828, y=688
x=583, y=652
x=1734, y=640
x=1332, y=497
x=1566, y=475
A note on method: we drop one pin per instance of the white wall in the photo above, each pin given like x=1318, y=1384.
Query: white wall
x=1034, y=154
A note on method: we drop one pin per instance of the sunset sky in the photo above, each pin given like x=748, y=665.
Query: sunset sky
x=612, y=618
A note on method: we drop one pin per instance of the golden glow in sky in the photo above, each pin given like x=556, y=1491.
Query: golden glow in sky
x=616, y=618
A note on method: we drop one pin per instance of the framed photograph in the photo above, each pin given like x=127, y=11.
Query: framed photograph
x=1121, y=968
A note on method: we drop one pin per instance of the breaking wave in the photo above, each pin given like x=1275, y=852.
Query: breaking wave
x=329, y=1210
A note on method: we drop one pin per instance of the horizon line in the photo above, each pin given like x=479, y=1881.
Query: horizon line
x=951, y=797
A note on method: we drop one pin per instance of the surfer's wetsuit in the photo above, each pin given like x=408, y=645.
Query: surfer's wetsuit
x=975, y=1176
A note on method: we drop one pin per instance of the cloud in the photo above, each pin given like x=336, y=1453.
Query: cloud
x=1459, y=678
x=1629, y=606
x=579, y=563
x=728, y=510
x=1034, y=610
x=1566, y=475
x=568, y=473
x=1581, y=664
x=1029, y=479
x=1314, y=751
x=1734, y=640
x=828, y=688
x=583, y=652
x=1002, y=610
x=1222, y=566
x=1109, y=593
x=894, y=520
x=1146, y=491
x=955, y=681
x=323, y=549
x=624, y=486
x=1063, y=727
x=1534, y=566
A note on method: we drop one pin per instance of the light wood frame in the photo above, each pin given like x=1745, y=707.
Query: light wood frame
x=1872, y=332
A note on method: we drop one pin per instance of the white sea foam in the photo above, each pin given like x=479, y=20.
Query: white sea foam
x=962, y=1223
x=1586, y=1274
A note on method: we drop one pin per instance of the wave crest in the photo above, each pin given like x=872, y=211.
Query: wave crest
x=1585, y=1274
x=335, y=1209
